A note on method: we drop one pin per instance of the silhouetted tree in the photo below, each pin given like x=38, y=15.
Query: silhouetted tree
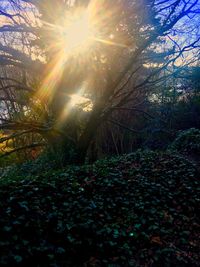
x=137, y=44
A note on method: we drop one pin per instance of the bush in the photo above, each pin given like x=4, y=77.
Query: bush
x=187, y=141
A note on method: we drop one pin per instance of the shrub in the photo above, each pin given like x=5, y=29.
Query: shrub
x=187, y=141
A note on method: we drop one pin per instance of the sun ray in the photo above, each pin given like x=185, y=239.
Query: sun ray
x=108, y=42
x=74, y=41
x=50, y=82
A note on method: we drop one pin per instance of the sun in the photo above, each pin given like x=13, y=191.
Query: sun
x=77, y=40
x=78, y=33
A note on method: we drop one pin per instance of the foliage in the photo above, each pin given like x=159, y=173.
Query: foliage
x=6, y=161
x=6, y=147
x=45, y=162
x=188, y=141
x=139, y=209
x=186, y=113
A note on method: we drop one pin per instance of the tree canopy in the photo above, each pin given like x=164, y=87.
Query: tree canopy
x=68, y=69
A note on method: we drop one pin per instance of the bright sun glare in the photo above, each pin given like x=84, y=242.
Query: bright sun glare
x=75, y=36
x=78, y=34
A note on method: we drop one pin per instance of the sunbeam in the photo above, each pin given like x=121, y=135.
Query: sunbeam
x=76, y=40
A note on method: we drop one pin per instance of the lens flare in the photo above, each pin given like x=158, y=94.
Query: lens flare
x=78, y=40
x=80, y=101
x=48, y=87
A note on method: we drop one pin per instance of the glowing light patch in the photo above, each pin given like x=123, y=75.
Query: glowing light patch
x=83, y=102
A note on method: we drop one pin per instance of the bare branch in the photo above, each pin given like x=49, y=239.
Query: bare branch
x=34, y=145
x=124, y=126
x=6, y=138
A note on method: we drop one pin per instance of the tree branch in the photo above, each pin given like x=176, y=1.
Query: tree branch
x=34, y=145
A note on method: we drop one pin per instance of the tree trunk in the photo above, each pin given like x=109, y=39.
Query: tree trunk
x=88, y=135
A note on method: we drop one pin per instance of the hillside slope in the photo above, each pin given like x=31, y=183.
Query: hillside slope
x=135, y=210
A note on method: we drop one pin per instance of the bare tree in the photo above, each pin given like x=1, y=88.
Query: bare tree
x=136, y=44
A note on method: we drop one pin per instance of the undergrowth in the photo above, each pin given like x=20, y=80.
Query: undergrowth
x=135, y=210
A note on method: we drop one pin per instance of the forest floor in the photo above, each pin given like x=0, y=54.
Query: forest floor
x=140, y=209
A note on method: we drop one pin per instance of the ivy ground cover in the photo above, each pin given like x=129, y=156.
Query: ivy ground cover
x=140, y=209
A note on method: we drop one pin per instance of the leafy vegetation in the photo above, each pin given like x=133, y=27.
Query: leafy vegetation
x=139, y=209
x=90, y=82
x=188, y=141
